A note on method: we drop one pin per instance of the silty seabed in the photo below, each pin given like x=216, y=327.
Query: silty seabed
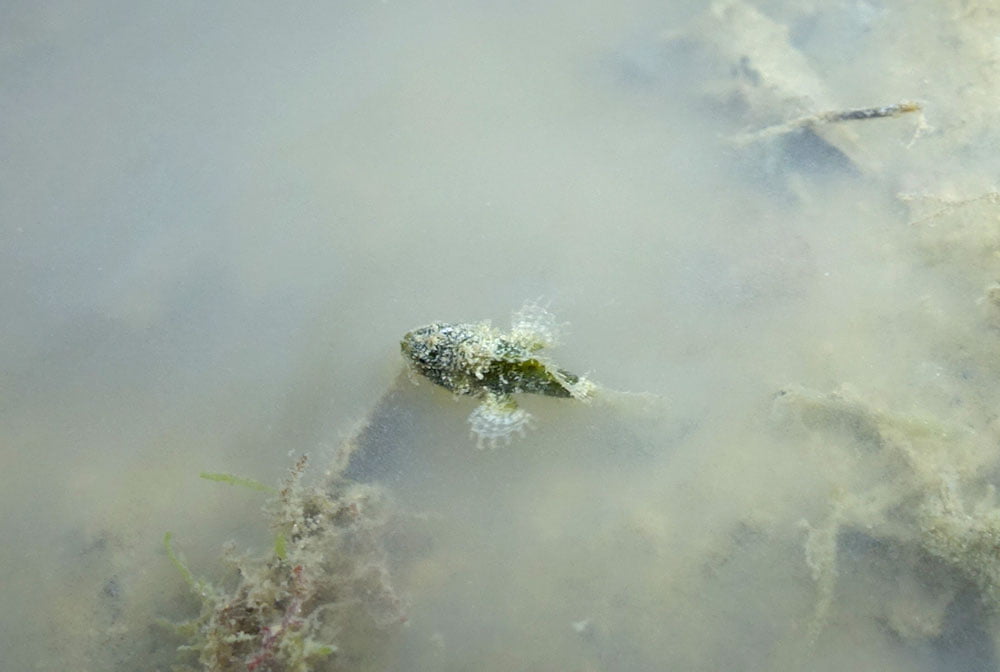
x=479, y=360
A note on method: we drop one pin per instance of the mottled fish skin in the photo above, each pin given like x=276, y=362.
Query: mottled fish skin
x=459, y=359
x=450, y=355
x=476, y=359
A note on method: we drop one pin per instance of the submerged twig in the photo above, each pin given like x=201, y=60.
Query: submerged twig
x=830, y=117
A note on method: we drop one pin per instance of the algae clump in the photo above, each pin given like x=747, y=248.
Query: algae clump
x=917, y=490
x=320, y=600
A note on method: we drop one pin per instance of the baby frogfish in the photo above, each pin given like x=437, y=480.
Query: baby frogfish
x=479, y=360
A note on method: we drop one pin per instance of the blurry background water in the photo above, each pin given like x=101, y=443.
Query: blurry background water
x=218, y=219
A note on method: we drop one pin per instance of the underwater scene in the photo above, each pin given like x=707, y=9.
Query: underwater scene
x=423, y=336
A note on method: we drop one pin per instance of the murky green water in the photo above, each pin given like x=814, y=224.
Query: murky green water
x=219, y=221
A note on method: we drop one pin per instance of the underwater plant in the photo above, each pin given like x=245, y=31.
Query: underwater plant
x=319, y=600
x=920, y=490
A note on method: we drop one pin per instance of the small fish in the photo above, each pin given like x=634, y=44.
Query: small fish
x=479, y=360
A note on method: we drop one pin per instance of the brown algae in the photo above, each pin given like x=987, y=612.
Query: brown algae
x=321, y=599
